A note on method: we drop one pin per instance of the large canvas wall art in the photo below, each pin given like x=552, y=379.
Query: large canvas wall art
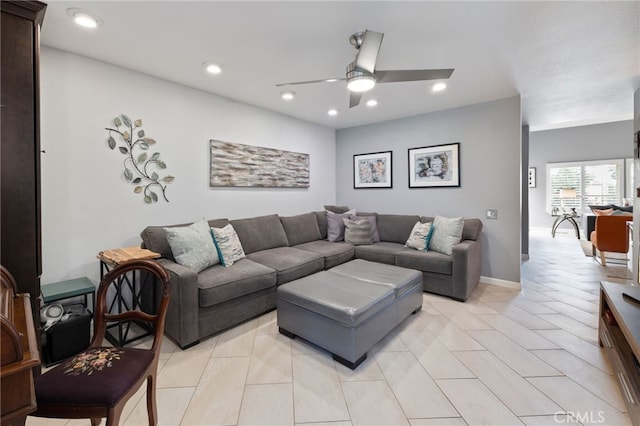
x=239, y=165
x=434, y=166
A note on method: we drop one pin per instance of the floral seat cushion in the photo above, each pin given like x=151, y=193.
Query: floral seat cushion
x=96, y=376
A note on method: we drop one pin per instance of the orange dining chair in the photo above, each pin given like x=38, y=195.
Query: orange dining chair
x=610, y=235
x=99, y=381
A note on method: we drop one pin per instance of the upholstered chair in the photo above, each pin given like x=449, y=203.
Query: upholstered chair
x=99, y=381
x=610, y=235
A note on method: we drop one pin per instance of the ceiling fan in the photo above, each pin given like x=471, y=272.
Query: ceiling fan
x=362, y=74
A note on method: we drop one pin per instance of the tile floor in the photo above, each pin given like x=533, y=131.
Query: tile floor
x=505, y=357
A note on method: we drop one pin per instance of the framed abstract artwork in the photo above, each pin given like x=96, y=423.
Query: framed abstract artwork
x=434, y=166
x=372, y=170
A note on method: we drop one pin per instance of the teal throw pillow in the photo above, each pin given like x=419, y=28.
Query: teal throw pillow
x=447, y=232
x=192, y=246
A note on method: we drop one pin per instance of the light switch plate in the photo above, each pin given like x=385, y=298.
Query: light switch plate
x=492, y=213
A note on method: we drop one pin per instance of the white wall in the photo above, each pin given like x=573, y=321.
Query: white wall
x=86, y=204
x=489, y=136
x=582, y=143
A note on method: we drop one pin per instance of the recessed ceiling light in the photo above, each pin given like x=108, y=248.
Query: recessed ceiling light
x=332, y=111
x=83, y=18
x=439, y=87
x=288, y=95
x=213, y=68
x=372, y=103
x=331, y=80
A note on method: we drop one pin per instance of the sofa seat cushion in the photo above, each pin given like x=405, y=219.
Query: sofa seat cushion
x=431, y=261
x=219, y=284
x=290, y=263
x=340, y=298
x=401, y=280
x=334, y=253
x=383, y=252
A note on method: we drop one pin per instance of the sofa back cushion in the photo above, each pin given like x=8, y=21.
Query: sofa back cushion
x=154, y=238
x=260, y=233
x=301, y=229
x=470, y=231
x=322, y=223
x=395, y=228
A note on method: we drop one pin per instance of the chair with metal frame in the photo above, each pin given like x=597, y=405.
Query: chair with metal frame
x=610, y=235
x=99, y=381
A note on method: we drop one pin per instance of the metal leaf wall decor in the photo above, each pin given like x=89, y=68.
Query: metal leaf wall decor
x=141, y=167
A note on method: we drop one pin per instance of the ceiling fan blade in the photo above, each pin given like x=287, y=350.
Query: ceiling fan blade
x=354, y=98
x=391, y=76
x=368, y=51
x=326, y=80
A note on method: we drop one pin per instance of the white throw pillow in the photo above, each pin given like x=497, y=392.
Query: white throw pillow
x=228, y=245
x=192, y=246
x=447, y=232
x=420, y=235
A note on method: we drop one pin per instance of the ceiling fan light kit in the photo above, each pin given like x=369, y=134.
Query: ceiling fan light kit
x=362, y=74
x=361, y=84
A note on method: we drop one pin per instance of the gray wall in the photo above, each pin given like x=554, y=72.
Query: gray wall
x=489, y=136
x=583, y=143
x=524, y=226
x=86, y=204
x=636, y=178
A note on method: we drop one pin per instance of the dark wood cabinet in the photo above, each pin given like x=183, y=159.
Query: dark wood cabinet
x=619, y=335
x=20, y=247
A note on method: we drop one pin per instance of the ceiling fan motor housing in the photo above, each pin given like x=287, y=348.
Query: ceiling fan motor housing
x=353, y=71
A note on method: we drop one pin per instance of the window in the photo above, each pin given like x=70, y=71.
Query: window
x=577, y=185
x=628, y=183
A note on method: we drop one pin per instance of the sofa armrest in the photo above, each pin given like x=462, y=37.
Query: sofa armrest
x=466, y=268
x=182, y=316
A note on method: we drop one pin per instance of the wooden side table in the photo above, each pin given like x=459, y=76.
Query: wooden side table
x=128, y=292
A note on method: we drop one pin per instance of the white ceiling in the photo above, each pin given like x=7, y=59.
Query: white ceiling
x=573, y=63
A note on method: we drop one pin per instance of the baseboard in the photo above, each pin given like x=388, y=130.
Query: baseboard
x=500, y=283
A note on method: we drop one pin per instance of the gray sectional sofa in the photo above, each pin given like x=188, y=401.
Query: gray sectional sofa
x=282, y=249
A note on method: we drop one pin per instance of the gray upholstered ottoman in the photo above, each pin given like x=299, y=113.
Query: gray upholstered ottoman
x=348, y=309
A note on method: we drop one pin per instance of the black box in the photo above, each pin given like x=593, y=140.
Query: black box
x=68, y=337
